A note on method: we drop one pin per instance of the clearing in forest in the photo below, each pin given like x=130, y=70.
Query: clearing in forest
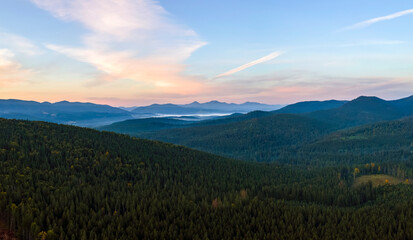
x=378, y=180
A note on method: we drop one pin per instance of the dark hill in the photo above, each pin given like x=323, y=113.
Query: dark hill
x=404, y=105
x=362, y=110
x=382, y=136
x=138, y=126
x=378, y=142
x=310, y=106
x=257, y=139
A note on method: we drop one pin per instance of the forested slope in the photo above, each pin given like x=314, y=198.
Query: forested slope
x=61, y=182
x=276, y=136
x=138, y=126
x=362, y=110
x=257, y=139
x=379, y=142
x=310, y=106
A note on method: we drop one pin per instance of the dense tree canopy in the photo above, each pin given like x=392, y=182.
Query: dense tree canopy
x=62, y=182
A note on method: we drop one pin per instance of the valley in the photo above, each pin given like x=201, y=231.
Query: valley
x=212, y=120
x=290, y=170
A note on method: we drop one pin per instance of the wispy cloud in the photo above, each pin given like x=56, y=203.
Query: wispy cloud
x=372, y=43
x=379, y=19
x=117, y=65
x=129, y=39
x=250, y=64
x=18, y=43
x=290, y=86
x=11, y=71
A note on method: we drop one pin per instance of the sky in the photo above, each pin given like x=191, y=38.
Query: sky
x=139, y=52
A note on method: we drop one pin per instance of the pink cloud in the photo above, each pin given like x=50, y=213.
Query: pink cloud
x=11, y=71
x=163, y=76
x=18, y=44
x=130, y=39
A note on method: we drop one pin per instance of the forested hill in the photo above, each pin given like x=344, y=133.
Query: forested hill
x=388, y=135
x=268, y=136
x=62, y=182
x=137, y=126
x=341, y=114
x=310, y=106
x=257, y=139
x=379, y=142
x=405, y=105
x=364, y=110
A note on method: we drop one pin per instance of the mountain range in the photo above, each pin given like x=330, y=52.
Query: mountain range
x=137, y=126
x=267, y=136
x=312, y=170
x=93, y=115
x=201, y=109
x=72, y=113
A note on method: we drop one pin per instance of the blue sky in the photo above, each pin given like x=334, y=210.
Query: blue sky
x=136, y=52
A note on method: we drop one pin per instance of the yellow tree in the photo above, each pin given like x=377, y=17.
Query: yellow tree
x=42, y=235
x=356, y=171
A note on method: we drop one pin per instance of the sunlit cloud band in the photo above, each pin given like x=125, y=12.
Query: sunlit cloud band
x=379, y=19
x=250, y=64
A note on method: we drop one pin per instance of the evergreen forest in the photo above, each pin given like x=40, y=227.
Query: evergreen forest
x=65, y=182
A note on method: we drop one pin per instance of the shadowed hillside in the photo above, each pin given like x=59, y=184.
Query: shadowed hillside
x=257, y=139
x=362, y=110
x=62, y=182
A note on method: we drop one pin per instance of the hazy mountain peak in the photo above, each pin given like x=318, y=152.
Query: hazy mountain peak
x=215, y=102
x=368, y=98
x=251, y=103
x=366, y=102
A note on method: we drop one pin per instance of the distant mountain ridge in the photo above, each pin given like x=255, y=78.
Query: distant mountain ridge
x=362, y=110
x=94, y=115
x=212, y=107
x=73, y=113
x=263, y=136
